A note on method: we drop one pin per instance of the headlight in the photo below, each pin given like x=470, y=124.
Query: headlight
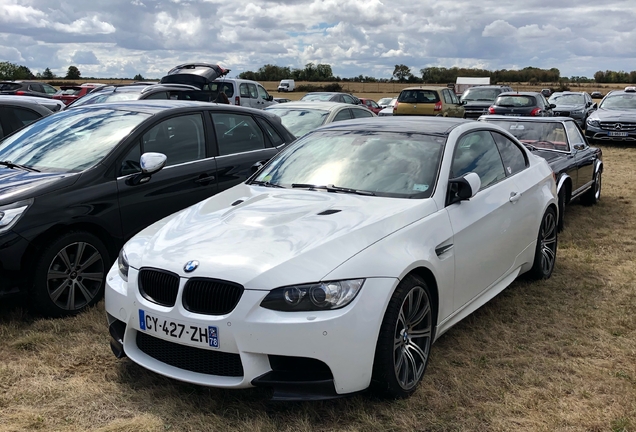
x=11, y=214
x=576, y=112
x=593, y=122
x=122, y=263
x=313, y=297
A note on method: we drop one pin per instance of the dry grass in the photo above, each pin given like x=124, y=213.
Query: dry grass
x=558, y=355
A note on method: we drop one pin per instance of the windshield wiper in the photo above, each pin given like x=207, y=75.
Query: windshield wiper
x=10, y=164
x=267, y=184
x=332, y=188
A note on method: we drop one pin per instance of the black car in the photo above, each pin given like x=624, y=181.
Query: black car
x=559, y=140
x=131, y=92
x=199, y=75
x=478, y=99
x=27, y=88
x=615, y=118
x=332, y=97
x=17, y=112
x=521, y=104
x=76, y=185
x=577, y=105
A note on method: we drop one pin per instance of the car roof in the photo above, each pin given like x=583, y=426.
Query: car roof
x=323, y=106
x=426, y=88
x=425, y=125
x=518, y=119
x=33, y=100
x=155, y=106
x=22, y=101
x=519, y=94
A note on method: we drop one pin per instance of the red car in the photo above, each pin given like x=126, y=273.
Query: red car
x=371, y=104
x=68, y=94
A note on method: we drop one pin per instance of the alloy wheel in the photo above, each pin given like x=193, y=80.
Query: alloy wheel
x=412, y=339
x=548, y=242
x=597, y=186
x=75, y=276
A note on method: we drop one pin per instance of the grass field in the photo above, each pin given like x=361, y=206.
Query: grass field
x=557, y=355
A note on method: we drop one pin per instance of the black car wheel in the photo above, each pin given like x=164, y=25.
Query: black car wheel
x=593, y=195
x=405, y=339
x=546, y=249
x=69, y=274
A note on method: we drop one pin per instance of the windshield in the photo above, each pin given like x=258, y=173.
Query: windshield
x=390, y=164
x=567, y=99
x=9, y=86
x=480, y=94
x=116, y=96
x=69, y=140
x=516, y=101
x=619, y=102
x=316, y=97
x=543, y=135
x=301, y=120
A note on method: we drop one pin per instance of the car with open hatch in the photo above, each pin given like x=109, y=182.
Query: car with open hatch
x=75, y=185
x=615, y=118
x=365, y=239
x=577, y=166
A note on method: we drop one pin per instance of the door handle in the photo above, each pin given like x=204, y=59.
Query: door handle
x=204, y=179
x=514, y=197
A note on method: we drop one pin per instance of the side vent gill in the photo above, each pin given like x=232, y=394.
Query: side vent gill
x=328, y=212
x=237, y=202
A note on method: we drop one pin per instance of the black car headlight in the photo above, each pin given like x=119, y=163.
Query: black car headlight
x=122, y=264
x=313, y=297
x=593, y=122
x=11, y=214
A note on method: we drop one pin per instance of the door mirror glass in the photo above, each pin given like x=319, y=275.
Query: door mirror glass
x=152, y=162
x=552, y=106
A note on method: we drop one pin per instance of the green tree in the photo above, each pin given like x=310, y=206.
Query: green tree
x=402, y=72
x=72, y=73
x=138, y=77
x=47, y=74
x=11, y=71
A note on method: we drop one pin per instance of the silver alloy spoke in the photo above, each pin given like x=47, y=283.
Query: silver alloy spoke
x=65, y=259
x=91, y=260
x=412, y=366
x=80, y=251
x=59, y=290
x=87, y=295
x=418, y=334
x=413, y=349
x=414, y=305
x=70, y=301
x=419, y=317
x=98, y=277
x=54, y=274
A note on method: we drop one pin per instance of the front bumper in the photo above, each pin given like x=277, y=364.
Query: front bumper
x=12, y=250
x=596, y=133
x=259, y=338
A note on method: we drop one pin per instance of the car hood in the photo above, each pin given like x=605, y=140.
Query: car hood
x=614, y=115
x=274, y=237
x=17, y=184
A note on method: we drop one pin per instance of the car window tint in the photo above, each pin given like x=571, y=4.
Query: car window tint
x=574, y=133
x=237, y=133
x=361, y=113
x=454, y=98
x=49, y=89
x=245, y=91
x=516, y=101
x=262, y=93
x=418, y=96
x=25, y=116
x=274, y=137
x=514, y=159
x=36, y=88
x=344, y=114
x=447, y=97
x=158, y=95
x=181, y=139
x=130, y=163
x=348, y=99
x=253, y=91
x=477, y=152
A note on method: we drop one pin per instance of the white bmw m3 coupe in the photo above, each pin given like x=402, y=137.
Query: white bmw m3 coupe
x=337, y=265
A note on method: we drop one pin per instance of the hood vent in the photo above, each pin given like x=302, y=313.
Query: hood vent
x=237, y=202
x=328, y=212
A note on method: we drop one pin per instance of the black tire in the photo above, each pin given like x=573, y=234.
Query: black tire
x=546, y=250
x=561, y=223
x=60, y=286
x=405, y=338
x=593, y=195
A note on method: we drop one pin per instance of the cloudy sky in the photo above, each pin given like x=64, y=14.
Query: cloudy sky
x=120, y=38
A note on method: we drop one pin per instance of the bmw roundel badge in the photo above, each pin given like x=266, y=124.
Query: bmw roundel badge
x=191, y=266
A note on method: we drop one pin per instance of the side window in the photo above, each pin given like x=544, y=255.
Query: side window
x=454, y=98
x=271, y=132
x=237, y=133
x=2, y=114
x=348, y=99
x=49, y=89
x=344, y=114
x=361, y=113
x=25, y=116
x=374, y=104
x=514, y=159
x=253, y=91
x=477, y=152
x=130, y=164
x=36, y=88
x=447, y=97
x=262, y=93
x=158, y=95
x=574, y=133
x=245, y=91
x=181, y=139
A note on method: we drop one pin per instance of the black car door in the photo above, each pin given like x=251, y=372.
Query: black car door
x=583, y=156
x=242, y=146
x=187, y=178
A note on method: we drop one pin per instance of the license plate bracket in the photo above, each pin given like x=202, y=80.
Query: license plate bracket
x=170, y=329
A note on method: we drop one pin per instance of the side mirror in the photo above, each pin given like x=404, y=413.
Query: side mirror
x=270, y=98
x=595, y=106
x=152, y=162
x=463, y=188
x=588, y=104
x=580, y=146
x=552, y=106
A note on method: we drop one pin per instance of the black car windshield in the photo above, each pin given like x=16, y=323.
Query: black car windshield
x=542, y=135
x=393, y=164
x=69, y=141
x=299, y=121
x=567, y=99
x=516, y=101
x=479, y=94
x=117, y=96
x=619, y=102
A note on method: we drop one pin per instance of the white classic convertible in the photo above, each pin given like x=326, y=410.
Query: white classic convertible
x=340, y=262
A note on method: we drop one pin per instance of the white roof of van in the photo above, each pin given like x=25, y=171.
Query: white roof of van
x=471, y=80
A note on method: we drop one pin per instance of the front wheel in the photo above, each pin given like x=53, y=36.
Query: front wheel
x=593, y=195
x=405, y=339
x=546, y=249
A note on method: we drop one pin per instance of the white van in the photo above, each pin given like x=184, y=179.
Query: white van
x=242, y=92
x=286, y=85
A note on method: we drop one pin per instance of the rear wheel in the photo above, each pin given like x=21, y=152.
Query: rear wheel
x=546, y=249
x=405, y=339
x=593, y=195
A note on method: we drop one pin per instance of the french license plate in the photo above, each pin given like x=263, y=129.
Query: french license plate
x=171, y=329
x=622, y=134
x=512, y=114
